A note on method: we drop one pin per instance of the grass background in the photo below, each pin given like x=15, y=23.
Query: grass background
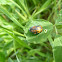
x=17, y=44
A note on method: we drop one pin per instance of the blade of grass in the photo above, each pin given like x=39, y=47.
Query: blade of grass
x=12, y=31
x=55, y=7
x=45, y=5
x=24, y=6
x=15, y=51
x=22, y=43
x=50, y=40
x=18, y=7
x=20, y=15
x=10, y=16
x=34, y=1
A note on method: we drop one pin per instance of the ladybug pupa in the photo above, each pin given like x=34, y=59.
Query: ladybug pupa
x=36, y=29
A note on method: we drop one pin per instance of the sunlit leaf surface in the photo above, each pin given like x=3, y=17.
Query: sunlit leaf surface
x=38, y=38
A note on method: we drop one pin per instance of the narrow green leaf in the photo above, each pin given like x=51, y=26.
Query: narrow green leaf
x=4, y=2
x=45, y=5
x=2, y=57
x=57, y=49
x=50, y=40
x=58, y=22
x=20, y=15
x=8, y=45
x=24, y=6
x=10, y=16
x=34, y=51
x=34, y=1
x=12, y=31
x=18, y=7
x=22, y=43
x=10, y=60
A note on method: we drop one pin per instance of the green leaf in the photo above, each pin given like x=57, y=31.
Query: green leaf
x=4, y=10
x=59, y=31
x=58, y=22
x=15, y=32
x=34, y=51
x=59, y=18
x=41, y=37
x=45, y=5
x=18, y=7
x=10, y=60
x=24, y=6
x=34, y=1
x=8, y=45
x=21, y=42
x=2, y=57
x=33, y=60
x=57, y=49
x=4, y=2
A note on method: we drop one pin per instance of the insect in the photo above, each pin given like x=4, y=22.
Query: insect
x=36, y=29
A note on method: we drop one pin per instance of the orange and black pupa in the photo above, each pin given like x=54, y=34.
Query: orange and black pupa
x=36, y=29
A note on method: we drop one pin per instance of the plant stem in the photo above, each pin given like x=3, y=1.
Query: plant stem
x=50, y=40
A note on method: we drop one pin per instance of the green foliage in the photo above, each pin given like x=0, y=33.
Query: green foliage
x=58, y=22
x=38, y=38
x=57, y=48
x=4, y=2
x=58, y=38
x=2, y=57
x=10, y=60
x=45, y=5
x=17, y=43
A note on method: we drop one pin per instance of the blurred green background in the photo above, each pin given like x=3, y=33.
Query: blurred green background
x=17, y=43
